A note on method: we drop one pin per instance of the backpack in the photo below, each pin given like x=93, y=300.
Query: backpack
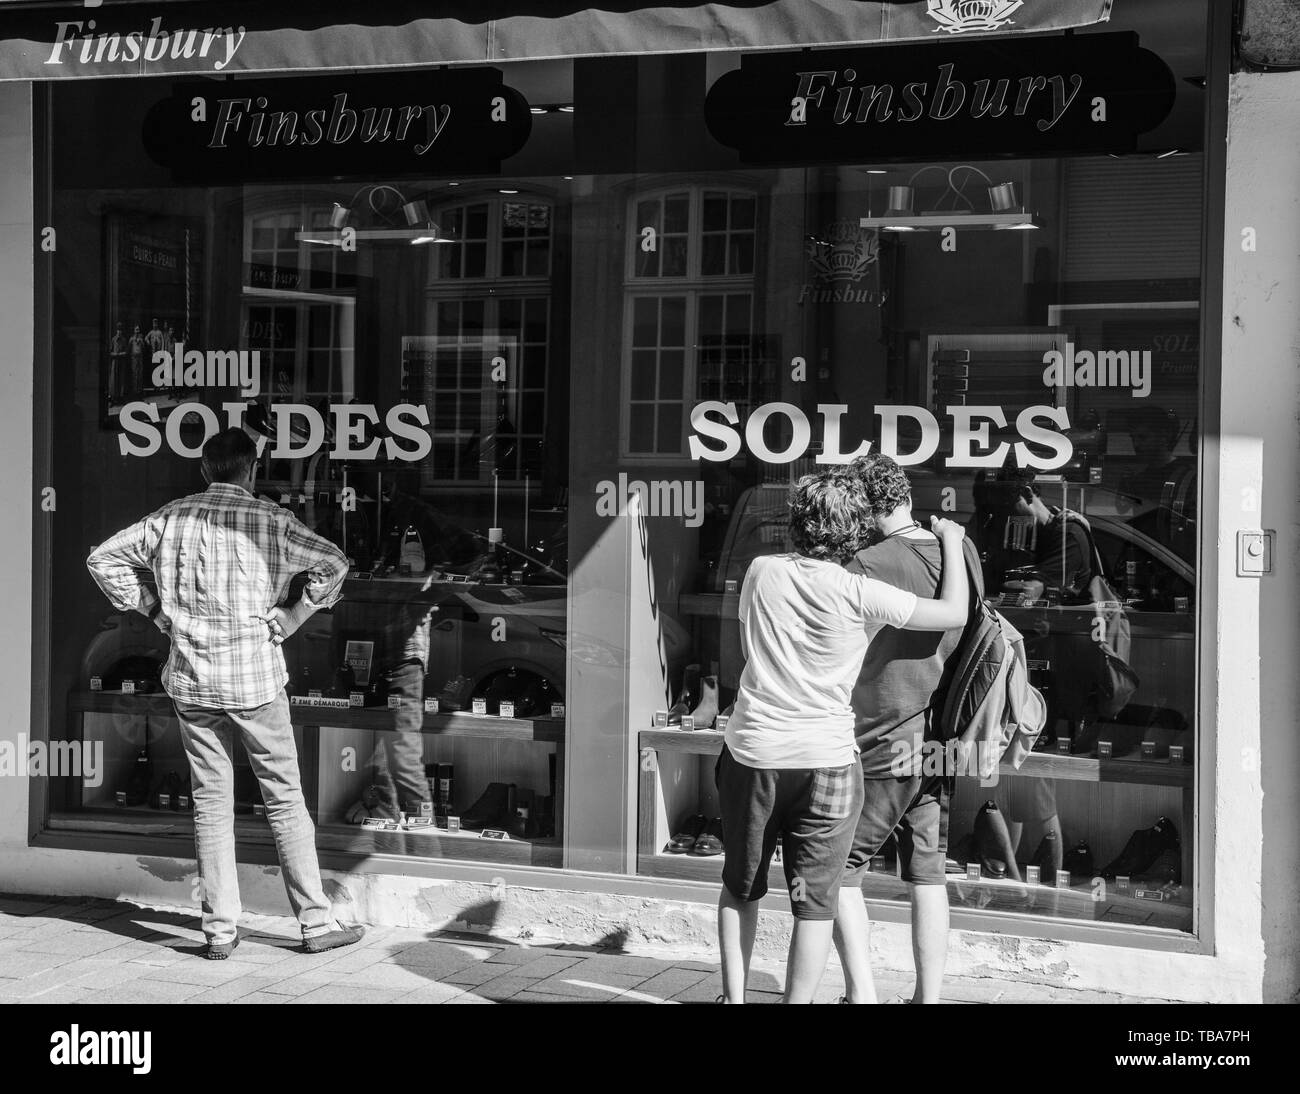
x=992, y=712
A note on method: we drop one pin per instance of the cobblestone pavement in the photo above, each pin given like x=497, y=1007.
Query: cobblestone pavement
x=96, y=951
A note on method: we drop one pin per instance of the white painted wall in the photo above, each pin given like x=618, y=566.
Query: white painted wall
x=1254, y=804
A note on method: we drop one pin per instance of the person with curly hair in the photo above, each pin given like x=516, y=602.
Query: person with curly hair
x=789, y=767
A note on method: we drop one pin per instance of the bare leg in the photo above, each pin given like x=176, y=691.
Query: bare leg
x=737, y=926
x=853, y=943
x=810, y=946
x=929, y=940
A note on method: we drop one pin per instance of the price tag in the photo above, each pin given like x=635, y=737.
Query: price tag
x=506, y=708
x=356, y=698
x=431, y=706
x=730, y=587
x=1148, y=750
x=1062, y=879
x=1176, y=754
x=121, y=797
x=661, y=719
x=1151, y=894
x=315, y=693
x=688, y=721
x=479, y=706
x=182, y=801
x=720, y=723
x=1104, y=750
x=557, y=710
x=1033, y=875
x=96, y=683
x=1063, y=745
x=128, y=687
x=453, y=824
x=419, y=822
x=259, y=810
x=877, y=864
x=1122, y=882
x=426, y=809
x=394, y=702
x=492, y=833
x=164, y=801
x=972, y=871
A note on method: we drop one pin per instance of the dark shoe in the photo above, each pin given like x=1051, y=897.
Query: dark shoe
x=1166, y=870
x=1083, y=740
x=1079, y=863
x=493, y=805
x=219, y=951
x=684, y=842
x=687, y=698
x=138, y=782
x=1143, y=848
x=710, y=841
x=1048, y=858
x=993, y=844
x=332, y=940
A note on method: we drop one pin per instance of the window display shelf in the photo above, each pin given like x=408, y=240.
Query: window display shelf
x=334, y=836
x=454, y=724
x=708, y=742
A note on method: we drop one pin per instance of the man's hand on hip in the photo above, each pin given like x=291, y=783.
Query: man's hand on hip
x=282, y=622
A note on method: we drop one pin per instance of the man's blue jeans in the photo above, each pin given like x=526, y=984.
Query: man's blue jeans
x=267, y=733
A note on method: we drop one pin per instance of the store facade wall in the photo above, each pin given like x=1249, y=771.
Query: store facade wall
x=633, y=570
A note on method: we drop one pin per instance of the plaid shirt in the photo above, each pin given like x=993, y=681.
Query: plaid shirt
x=218, y=560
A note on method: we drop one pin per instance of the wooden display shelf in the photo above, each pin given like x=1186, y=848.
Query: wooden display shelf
x=1042, y=765
x=452, y=724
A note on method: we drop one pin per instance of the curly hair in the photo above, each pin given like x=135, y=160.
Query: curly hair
x=884, y=483
x=828, y=515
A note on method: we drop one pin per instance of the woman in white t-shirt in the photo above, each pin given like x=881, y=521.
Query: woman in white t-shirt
x=789, y=766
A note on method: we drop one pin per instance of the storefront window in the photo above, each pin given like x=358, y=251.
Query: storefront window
x=552, y=412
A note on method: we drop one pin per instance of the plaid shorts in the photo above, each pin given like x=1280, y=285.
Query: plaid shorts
x=813, y=811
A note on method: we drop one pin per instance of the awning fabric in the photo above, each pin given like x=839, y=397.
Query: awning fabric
x=201, y=37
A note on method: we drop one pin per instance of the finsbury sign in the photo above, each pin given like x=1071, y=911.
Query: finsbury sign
x=77, y=41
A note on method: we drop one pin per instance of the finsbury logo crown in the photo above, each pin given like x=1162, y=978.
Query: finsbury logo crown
x=845, y=253
x=957, y=16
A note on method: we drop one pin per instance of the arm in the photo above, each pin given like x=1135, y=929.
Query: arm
x=953, y=605
x=326, y=567
x=118, y=565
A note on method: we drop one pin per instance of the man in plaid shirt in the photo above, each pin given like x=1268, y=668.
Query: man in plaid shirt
x=220, y=564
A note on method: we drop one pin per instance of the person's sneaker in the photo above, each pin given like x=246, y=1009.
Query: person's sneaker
x=219, y=951
x=332, y=940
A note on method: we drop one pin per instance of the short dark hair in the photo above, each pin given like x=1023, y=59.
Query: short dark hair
x=228, y=455
x=829, y=518
x=883, y=482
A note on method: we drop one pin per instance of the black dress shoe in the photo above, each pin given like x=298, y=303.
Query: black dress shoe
x=1079, y=862
x=1048, y=857
x=960, y=855
x=997, y=858
x=709, y=842
x=684, y=841
x=1166, y=870
x=1143, y=848
x=494, y=805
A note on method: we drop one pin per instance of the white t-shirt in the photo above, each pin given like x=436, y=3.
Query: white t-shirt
x=805, y=625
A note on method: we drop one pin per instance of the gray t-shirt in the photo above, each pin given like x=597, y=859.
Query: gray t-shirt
x=903, y=682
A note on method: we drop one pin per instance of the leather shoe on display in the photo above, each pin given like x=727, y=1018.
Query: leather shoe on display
x=1079, y=863
x=960, y=855
x=993, y=843
x=710, y=841
x=1048, y=857
x=1083, y=738
x=1143, y=848
x=687, y=698
x=684, y=841
x=455, y=694
x=494, y=805
x=1166, y=870
x=707, y=711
